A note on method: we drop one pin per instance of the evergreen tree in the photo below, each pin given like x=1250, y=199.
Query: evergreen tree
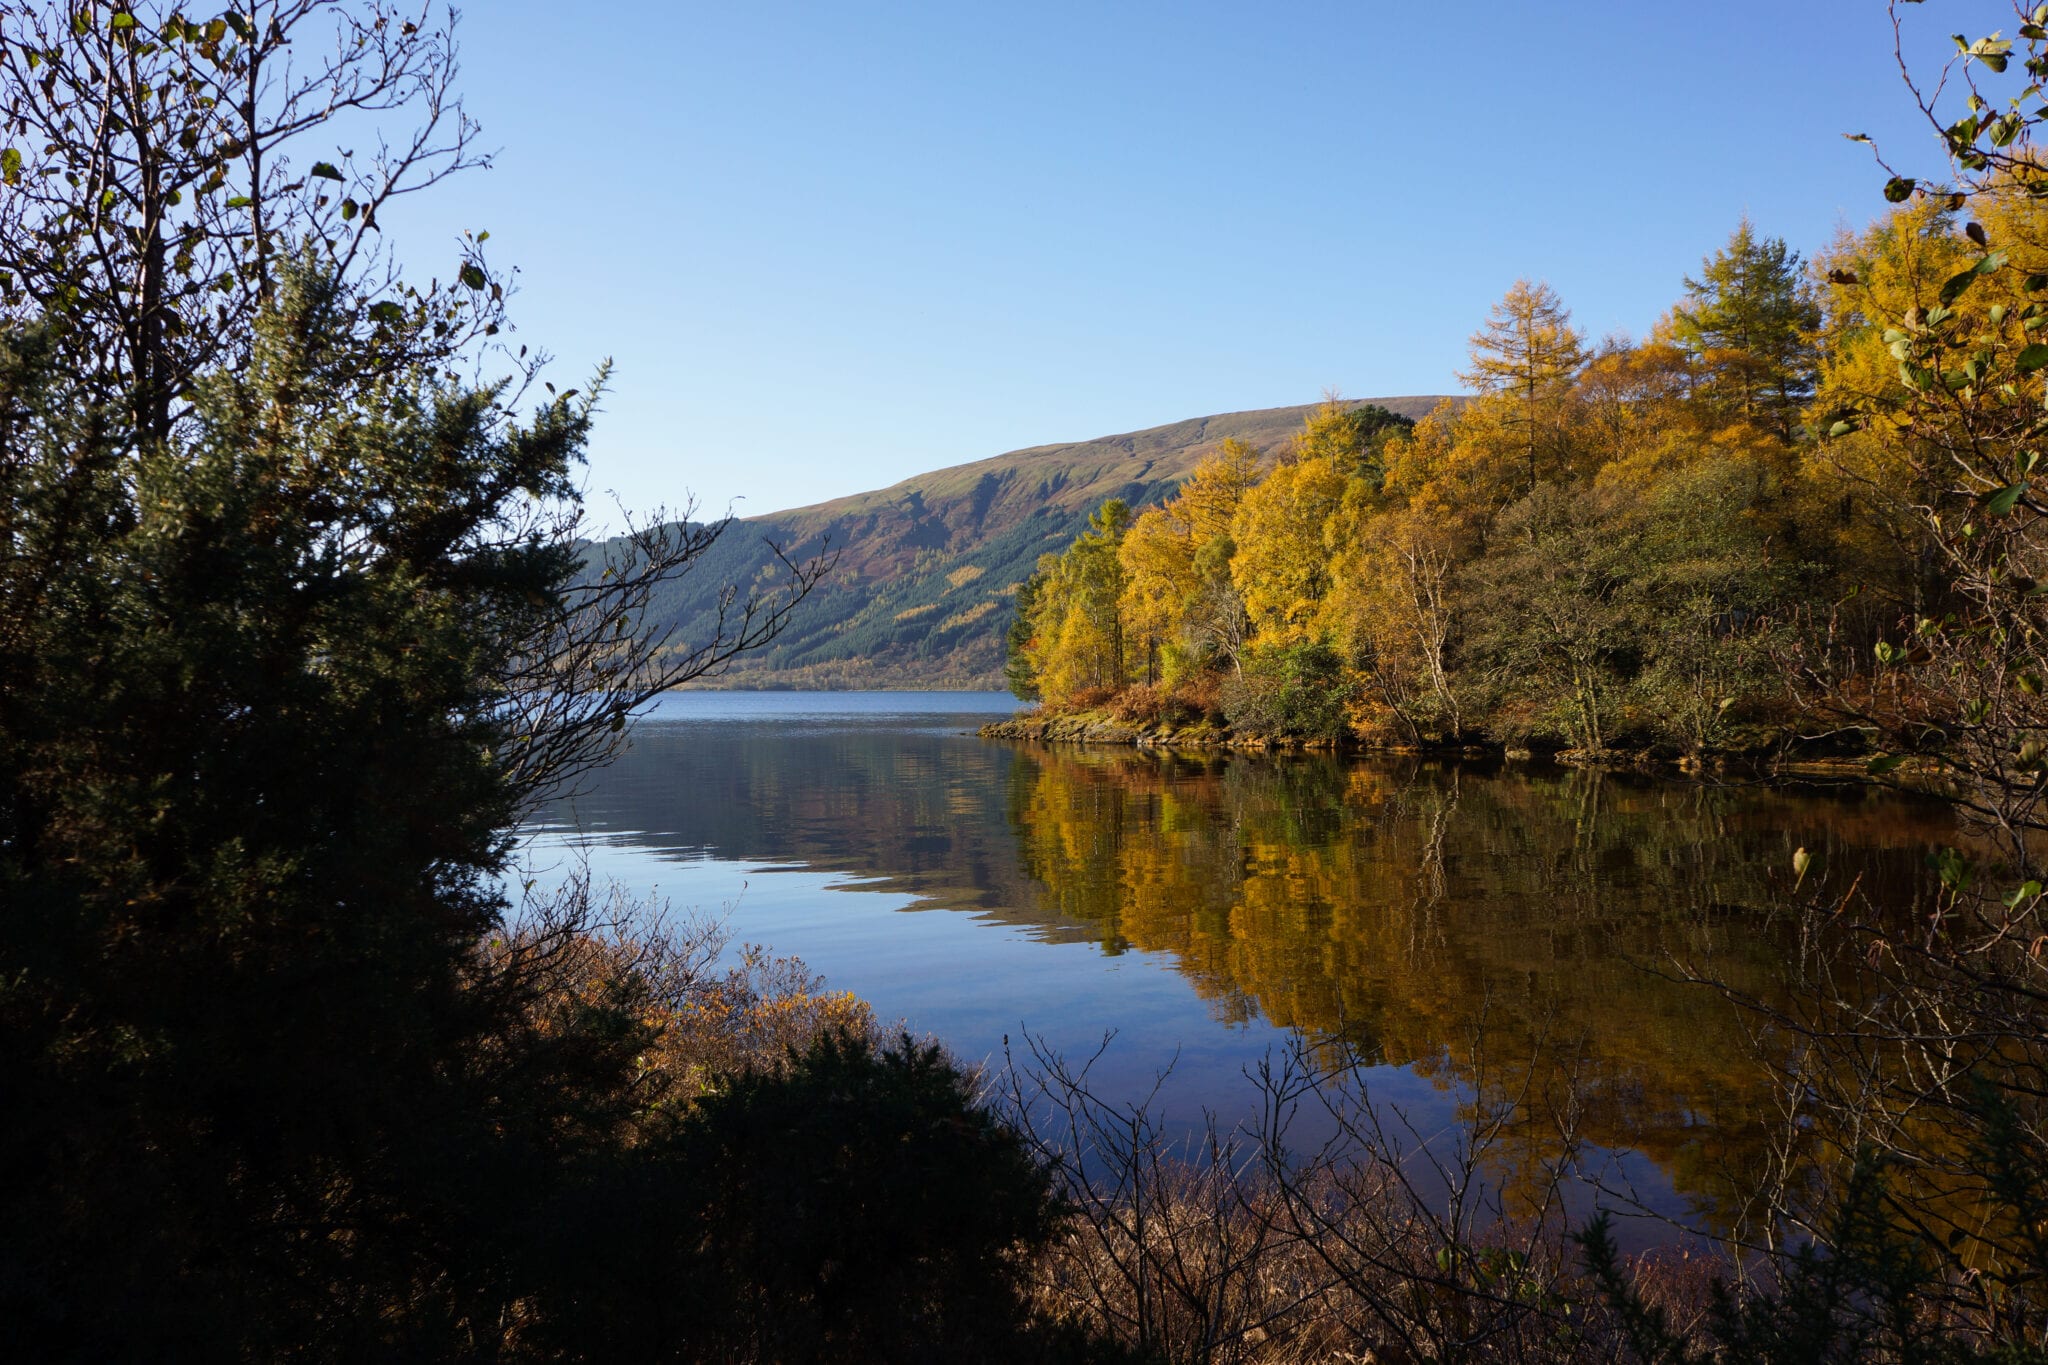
x=1018, y=672
x=1351, y=436
x=1751, y=322
x=293, y=627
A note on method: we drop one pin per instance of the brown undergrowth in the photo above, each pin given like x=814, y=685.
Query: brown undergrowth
x=703, y=1018
x=1236, y=1247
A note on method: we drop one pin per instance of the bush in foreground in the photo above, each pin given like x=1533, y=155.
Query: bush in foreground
x=855, y=1203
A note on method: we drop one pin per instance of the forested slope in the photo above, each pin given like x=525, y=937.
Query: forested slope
x=926, y=568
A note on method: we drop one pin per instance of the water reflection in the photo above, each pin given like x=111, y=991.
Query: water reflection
x=1495, y=932
x=1513, y=933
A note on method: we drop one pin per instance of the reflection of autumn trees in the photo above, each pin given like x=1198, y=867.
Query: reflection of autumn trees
x=1395, y=906
x=1463, y=924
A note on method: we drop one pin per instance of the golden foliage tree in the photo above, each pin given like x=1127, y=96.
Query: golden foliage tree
x=1282, y=567
x=1527, y=351
x=1078, y=637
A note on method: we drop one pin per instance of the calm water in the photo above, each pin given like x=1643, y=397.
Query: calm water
x=1201, y=908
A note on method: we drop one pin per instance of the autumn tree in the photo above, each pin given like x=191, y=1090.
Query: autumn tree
x=1397, y=610
x=1527, y=352
x=1209, y=500
x=1282, y=565
x=1158, y=561
x=1634, y=406
x=1872, y=491
x=1077, y=637
x=1351, y=436
x=1179, y=601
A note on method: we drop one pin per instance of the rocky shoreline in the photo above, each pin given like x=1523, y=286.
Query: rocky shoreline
x=1094, y=728
x=1089, y=727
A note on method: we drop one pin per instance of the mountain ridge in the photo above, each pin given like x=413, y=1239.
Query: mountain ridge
x=927, y=566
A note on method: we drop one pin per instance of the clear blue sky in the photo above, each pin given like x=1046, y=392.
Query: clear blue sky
x=833, y=246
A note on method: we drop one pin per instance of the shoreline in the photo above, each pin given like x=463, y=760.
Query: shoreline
x=1092, y=729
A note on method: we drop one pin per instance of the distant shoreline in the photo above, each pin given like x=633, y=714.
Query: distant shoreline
x=1093, y=729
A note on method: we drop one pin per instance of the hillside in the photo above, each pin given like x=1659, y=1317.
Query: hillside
x=926, y=569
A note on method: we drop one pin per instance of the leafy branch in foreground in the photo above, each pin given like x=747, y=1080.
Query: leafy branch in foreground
x=163, y=171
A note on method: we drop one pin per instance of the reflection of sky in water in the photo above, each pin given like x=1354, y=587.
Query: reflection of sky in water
x=811, y=823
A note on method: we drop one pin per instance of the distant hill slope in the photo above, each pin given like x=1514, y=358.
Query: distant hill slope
x=921, y=593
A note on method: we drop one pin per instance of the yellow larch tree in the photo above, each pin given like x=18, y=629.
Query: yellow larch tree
x=1158, y=559
x=1177, y=611
x=1282, y=566
x=1078, y=640
x=1525, y=357
x=1209, y=499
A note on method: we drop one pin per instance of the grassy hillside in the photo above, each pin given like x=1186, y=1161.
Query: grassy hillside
x=926, y=569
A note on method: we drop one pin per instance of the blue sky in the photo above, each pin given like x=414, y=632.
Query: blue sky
x=833, y=246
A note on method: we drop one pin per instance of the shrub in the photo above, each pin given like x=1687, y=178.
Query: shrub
x=1140, y=704
x=1292, y=692
x=1200, y=695
x=1088, y=699
x=856, y=1203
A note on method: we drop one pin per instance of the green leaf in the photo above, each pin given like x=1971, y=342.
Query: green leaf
x=1957, y=283
x=326, y=170
x=1841, y=428
x=349, y=209
x=1899, y=189
x=121, y=19
x=2032, y=358
x=1992, y=51
x=2001, y=502
x=1885, y=763
x=10, y=166
x=473, y=275
x=1952, y=867
x=387, y=311
x=240, y=201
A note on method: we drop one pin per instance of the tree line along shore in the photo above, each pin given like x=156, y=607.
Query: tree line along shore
x=1625, y=548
